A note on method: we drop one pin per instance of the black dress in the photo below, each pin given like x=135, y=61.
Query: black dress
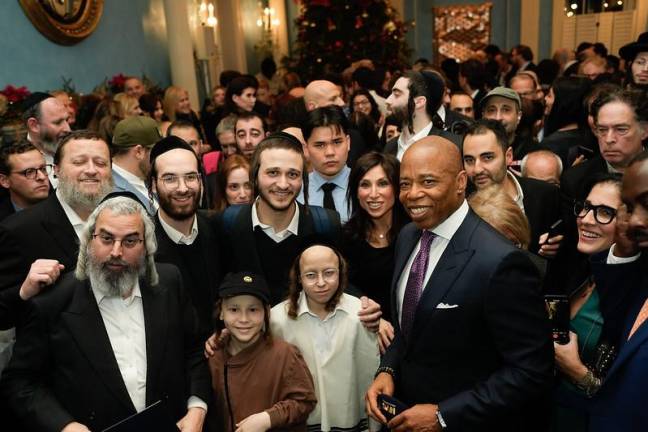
x=370, y=271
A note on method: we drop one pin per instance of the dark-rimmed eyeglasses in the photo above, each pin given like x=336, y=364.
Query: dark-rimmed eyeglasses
x=602, y=214
x=32, y=173
x=127, y=242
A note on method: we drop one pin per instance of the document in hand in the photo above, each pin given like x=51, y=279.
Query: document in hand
x=155, y=417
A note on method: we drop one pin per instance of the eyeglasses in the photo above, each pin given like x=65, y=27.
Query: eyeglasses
x=311, y=278
x=602, y=214
x=619, y=130
x=32, y=173
x=127, y=242
x=173, y=181
x=361, y=102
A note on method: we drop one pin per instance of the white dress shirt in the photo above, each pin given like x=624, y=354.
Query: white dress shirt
x=443, y=234
x=124, y=322
x=280, y=236
x=76, y=222
x=176, y=236
x=519, y=199
x=49, y=160
x=404, y=145
x=323, y=330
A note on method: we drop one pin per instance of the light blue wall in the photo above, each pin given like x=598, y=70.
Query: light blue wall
x=546, y=23
x=130, y=39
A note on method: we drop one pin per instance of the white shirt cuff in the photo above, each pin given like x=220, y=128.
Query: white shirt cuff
x=613, y=259
x=196, y=402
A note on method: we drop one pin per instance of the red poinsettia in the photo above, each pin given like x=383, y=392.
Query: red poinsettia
x=117, y=81
x=15, y=94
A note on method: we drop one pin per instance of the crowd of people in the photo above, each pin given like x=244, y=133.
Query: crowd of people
x=458, y=247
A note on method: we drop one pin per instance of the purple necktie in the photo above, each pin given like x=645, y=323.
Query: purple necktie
x=414, y=286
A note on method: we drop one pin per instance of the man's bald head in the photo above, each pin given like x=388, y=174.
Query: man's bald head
x=432, y=181
x=322, y=93
x=542, y=165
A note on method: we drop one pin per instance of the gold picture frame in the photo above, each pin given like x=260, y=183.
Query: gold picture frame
x=65, y=22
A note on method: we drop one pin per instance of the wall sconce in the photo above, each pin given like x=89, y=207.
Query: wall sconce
x=206, y=14
x=267, y=20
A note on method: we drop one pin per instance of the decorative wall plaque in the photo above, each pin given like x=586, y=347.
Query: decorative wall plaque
x=460, y=30
x=65, y=22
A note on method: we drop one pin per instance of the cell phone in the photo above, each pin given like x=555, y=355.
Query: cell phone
x=558, y=310
x=554, y=229
x=390, y=407
x=585, y=151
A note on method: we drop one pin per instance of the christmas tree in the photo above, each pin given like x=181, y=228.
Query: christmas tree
x=334, y=33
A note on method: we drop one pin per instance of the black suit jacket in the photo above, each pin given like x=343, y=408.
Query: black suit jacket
x=574, y=180
x=453, y=120
x=202, y=297
x=6, y=208
x=480, y=343
x=41, y=231
x=63, y=368
x=542, y=207
x=392, y=145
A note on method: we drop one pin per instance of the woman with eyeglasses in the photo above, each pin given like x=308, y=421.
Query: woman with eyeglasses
x=584, y=360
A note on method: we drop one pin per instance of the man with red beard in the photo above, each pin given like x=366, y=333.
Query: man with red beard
x=185, y=237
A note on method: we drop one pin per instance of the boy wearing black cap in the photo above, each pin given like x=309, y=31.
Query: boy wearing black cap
x=283, y=394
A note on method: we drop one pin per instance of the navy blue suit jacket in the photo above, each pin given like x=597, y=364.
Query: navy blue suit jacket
x=487, y=355
x=622, y=403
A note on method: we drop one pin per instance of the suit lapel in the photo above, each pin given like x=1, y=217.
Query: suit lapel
x=56, y=223
x=154, y=302
x=86, y=325
x=450, y=265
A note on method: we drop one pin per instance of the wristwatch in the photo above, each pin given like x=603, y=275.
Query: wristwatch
x=440, y=419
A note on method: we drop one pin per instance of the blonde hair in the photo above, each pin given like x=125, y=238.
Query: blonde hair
x=172, y=96
x=502, y=213
x=595, y=60
x=124, y=104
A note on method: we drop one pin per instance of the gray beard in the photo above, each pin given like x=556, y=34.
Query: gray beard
x=75, y=198
x=113, y=284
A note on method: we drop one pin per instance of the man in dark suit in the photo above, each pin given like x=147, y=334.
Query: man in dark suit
x=472, y=80
x=622, y=283
x=486, y=155
x=472, y=349
x=49, y=229
x=621, y=125
x=414, y=101
x=105, y=342
x=185, y=237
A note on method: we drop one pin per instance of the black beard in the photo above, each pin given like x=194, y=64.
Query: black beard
x=179, y=213
x=401, y=114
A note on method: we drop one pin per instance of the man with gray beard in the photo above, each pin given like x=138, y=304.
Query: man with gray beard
x=46, y=119
x=42, y=241
x=112, y=338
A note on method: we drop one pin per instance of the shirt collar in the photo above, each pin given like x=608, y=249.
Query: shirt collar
x=449, y=227
x=128, y=300
x=611, y=169
x=302, y=306
x=519, y=200
x=417, y=136
x=442, y=112
x=128, y=176
x=341, y=180
x=292, y=228
x=176, y=236
x=72, y=216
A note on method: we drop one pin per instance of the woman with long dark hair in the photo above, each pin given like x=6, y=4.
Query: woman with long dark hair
x=362, y=101
x=566, y=122
x=369, y=236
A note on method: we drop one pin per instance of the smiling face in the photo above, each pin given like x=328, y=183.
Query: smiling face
x=376, y=194
x=280, y=178
x=327, y=149
x=432, y=181
x=243, y=316
x=362, y=104
x=183, y=105
x=180, y=202
x=319, y=274
x=593, y=236
x=619, y=133
x=84, y=172
x=484, y=160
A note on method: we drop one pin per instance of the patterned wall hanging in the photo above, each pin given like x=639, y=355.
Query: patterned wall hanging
x=461, y=30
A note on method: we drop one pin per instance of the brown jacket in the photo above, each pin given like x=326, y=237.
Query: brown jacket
x=266, y=376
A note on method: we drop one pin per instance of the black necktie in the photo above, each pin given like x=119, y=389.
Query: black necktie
x=328, y=195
